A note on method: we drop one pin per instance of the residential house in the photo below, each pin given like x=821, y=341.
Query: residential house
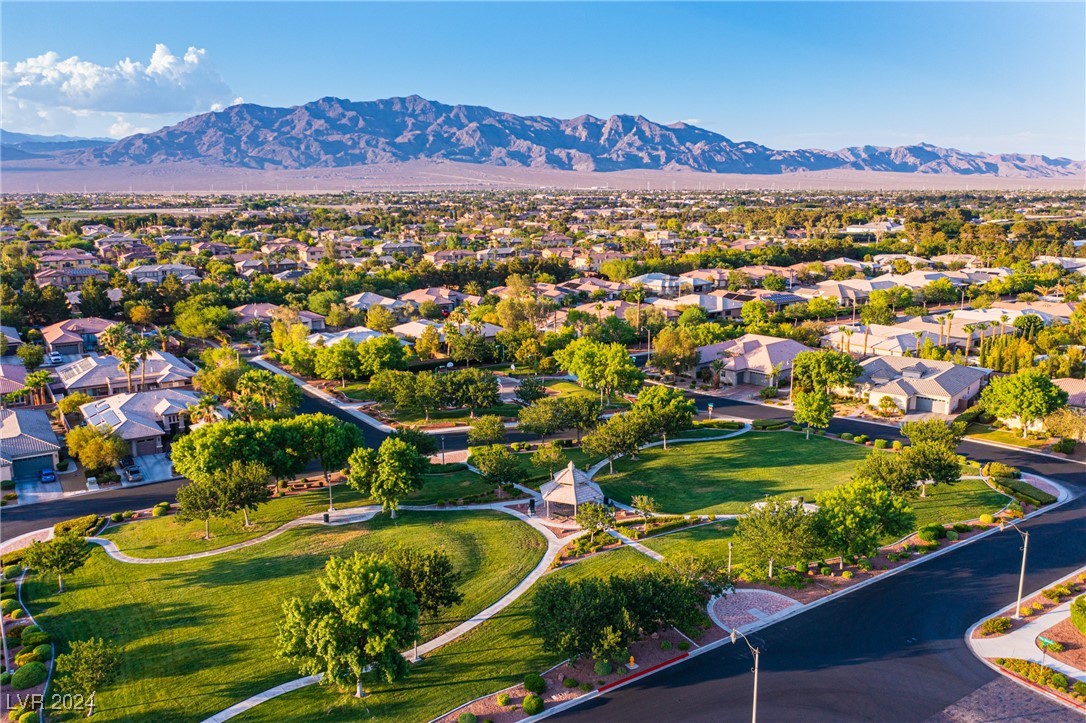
x=12, y=378
x=444, y=257
x=660, y=284
x=156, y=273
x=357, y=334
x=388, y=248
x=143, y=420
x=66, y=278
x=367, y=299
x=875, y=227
x=1076, y=391
x=919, y=385
x=66, y=258
x=267, y=313
x=590, y=285
x=102, y=376
x=446, y=299
x=12, y=340
x=715, y=307
x=752, y=359
x=74, y=336
x=28, y=444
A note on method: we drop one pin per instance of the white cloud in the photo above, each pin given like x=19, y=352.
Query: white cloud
x=51, y=94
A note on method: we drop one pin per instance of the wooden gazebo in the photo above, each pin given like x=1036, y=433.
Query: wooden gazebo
x=571, y=487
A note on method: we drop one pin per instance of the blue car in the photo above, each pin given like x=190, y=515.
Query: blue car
x=48, y=475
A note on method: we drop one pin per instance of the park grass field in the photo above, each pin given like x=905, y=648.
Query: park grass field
x=497, y=654
x=199, y=636
x=726, y=476
x=169, y=537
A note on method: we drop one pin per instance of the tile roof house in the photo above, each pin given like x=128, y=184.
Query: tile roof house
x=368, y=299
x=11, y=337
x=1076, y=391
x=28, y=443
x=752, y=359
x=660, y=284
x=268, y=313
x=101, y=376
x=446, y=299
x=68, y=277
x=920, y=385
x=66, y=258
x=357, y=334
x=12, y=378
x=142, y=419
x=715, y=307
x=75, y=336
x=157, y=273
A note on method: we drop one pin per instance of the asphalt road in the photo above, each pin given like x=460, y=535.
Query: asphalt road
x=892, y=651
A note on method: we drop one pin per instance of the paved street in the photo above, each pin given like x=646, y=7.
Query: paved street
x=892, y=651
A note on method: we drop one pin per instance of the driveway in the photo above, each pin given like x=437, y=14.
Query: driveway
x=154, y=467
x=31, y=491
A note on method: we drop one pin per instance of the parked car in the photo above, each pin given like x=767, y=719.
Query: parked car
x=55, y=358
x=133, y=474
x=48, y=475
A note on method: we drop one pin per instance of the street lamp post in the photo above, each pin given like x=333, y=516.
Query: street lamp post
x=442, y=448
x=1003, y=524
x=756, y=653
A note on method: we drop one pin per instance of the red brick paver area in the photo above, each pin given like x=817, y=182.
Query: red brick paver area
x=744, y=607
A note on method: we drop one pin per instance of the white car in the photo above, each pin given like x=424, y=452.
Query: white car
x=55, y=358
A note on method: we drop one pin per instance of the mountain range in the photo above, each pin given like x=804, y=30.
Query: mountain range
x=333, y=133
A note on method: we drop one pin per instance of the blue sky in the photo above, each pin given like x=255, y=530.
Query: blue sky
x=995, y=77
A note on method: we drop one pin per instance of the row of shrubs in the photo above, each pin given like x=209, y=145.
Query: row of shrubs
x=1023, y=491
x=446, y=468
x=36, y=649
x=768, y=425
x=85, y=525
x=718, y=424
x=655, y=526
x=161, y=509
x=121, y=516
x=1043, y=675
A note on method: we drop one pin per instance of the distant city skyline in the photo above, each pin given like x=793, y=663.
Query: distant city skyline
x=993, y=77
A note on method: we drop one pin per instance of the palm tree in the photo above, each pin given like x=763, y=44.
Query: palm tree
x=775, y=373
x=205, y=409
x=867, y=331
x=113, y=337
x=127, y=363
x=848, y=339
x=942, y=323
x=716, y=366
x=1003, y=319
x=637, y=293
x=916, y=347
x=949, y=318
x=36, y=382
x=143, y=348
x=599, y=311
x=162, y=336
x=968, y=329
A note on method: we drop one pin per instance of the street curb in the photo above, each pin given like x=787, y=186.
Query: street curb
x=1008, y=674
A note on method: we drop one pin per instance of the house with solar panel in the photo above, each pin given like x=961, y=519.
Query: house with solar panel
x=144, y=420
x=102, y=376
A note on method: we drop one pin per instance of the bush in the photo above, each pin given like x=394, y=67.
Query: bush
x=880, y=444
x=502, y=699
x=864, y=564
x=82, y=525
x=17, y=613
x=44, y=651
x=27, y=656
x=534, y=683
x=767, y=393
x=33, y=638
x=951, y=535
x=31, y=716
x=846, y=575
x=896, y=445
x=159, y=511
x=769, y=424
x=683, y=645
x=827, y=570
x=116, y=517
x=1079, y=687
x=29, y=675
x=585, y=687
x=932, y=533
x=6, y=606
x=665, y=645
x=1078, y=614
x=1065, y=445
x=602, y=668
x=1023, y=491
x=1000, y=470
x=532, y=705
x=12, y=571
x=846, y=435
x=466, y=718
x=995, y=626
x=5, y=678
x=986, y=519
x=962, y=528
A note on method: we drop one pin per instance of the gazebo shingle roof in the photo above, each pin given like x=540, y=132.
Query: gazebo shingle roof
x=571, y=486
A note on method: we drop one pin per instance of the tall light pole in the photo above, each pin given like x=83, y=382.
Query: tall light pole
x=1003, y=524
x=755, y=652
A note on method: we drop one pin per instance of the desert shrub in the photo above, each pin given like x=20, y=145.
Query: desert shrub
x=466, y=718
x=665, y=645
x=1079, y=687
x=128, y=514
x=44, y=651
x=29, y=675
x=827, y=570
x=1025, y=611
x=532, y=705
x=951, y=535
x=116, y=517
x=570, y=682
x=158, y=511
x=768, y=393
x=864, y=564
x=585, y=687
x=897, y=445
x=769, y=424
x=880, y=444
x=34, y=637
x=12, y=571
x=534, y=683
x=846, y=435
x=986, y=519
x=602, y=667
x=683, y=645
x=6, y=606
x=502, y=699
x=962, y=528
x=1065, y=445
x=995, y=626
x=846, y=575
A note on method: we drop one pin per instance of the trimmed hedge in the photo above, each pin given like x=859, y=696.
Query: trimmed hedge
x=466, y=718
x=6, y=606
x=769, y=424
x=534, y=683
x=1035, y=672
x=532, y=705
x=12, y=571
x=29, y=675
x=1023, y=491
x=82, y=525
x=34, y=638
x=1078, y=614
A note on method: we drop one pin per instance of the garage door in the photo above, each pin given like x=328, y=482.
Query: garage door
x=29, y=467
x=147, y=446
x=925, y=404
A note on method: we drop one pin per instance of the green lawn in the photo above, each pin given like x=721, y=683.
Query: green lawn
x=726, y=476
x=1002, y=436
x=709, y=540
x=167, y=537
x=572, y=454
x=497, y=654
x=566, y=388
x=199, y=636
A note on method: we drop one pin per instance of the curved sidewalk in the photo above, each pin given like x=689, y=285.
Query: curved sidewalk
x=554, y=546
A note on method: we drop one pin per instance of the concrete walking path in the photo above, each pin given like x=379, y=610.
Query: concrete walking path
x=554, y=546
x=636, y=545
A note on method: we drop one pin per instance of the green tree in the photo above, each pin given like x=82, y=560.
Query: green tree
x=755, y=312
x=544, y=417
x=37, y=382
x=668, y=410
x=387, y=474
x=498, y=464
x=487, y=429
x=580, y=412
x=530, y=390
x=619, y=435
x=776, y=530
x=71, y=403
x=429, y=574
x=88, y=667
x=428, y=344
x=358, y=622
x=61, y=556
x=548, y=456
x=674, y=350
x=380, y=319
x=948, y=434
x=813, y=409
x=381, y=352
x=595, y=518
x=855, y=518
x=1028, y=396
x=467, y=346
x=96, y=448
x=330, y=441
x=200, y=500
x=244, y=486
x=31, y=355
x=823, y=370
x=339, y=361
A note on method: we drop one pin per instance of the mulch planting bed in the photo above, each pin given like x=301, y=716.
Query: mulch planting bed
x=1072, y=640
